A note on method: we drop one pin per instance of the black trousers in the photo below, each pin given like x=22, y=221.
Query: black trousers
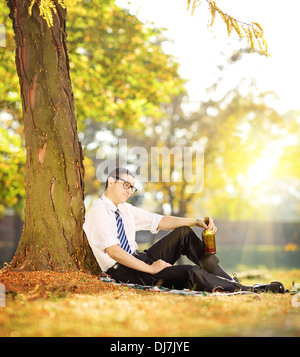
x=205, y=275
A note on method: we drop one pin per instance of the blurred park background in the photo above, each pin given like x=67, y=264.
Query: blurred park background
x=150, y=73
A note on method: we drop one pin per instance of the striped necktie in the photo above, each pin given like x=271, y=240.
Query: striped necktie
x=121, y=231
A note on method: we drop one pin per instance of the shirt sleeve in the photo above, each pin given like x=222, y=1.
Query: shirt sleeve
x=100, y=229
x=145, y=220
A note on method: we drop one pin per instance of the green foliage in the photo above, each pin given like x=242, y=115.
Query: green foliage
x=118, y=68
x=9, y=85
x=291, y=152
x=12, y=152
x=12, y=171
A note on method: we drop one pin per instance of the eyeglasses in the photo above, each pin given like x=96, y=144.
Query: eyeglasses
x=127, y=185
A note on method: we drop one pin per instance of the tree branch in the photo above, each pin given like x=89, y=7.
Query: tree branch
x=252, y=31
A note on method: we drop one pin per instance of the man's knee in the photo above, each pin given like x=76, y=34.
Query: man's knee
x=182, y=234
x=184, y=230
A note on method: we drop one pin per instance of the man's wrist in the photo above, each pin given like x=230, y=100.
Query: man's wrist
x=198, y=220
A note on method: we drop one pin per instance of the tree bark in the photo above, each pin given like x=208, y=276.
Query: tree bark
x=53, y=237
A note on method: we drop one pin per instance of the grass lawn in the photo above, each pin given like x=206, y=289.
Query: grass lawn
x=78, y=304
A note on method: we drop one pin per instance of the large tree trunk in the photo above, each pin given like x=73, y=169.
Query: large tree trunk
x=52, y=237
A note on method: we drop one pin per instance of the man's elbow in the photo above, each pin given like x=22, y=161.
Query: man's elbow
x=113, y=251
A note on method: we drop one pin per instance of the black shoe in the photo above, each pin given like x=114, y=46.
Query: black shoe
x=274, y=287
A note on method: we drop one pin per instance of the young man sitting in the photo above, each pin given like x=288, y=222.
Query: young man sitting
x=111, y=225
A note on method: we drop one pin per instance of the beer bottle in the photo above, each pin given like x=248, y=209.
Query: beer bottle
x=208, y=238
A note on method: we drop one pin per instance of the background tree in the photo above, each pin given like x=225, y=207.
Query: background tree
x=285, y=180
x=118, y=68
x=233, y=133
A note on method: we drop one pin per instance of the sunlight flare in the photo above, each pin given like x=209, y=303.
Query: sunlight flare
x=261, y=171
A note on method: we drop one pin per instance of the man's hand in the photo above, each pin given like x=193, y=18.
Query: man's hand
x=158, y=266
x=209, y=226
x=124, y=258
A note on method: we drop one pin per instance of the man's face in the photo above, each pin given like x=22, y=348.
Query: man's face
x=120, y=193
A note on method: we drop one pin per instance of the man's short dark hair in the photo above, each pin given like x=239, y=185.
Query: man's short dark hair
x=119, y=171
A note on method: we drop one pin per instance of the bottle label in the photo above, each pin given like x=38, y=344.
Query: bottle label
x=209, y=241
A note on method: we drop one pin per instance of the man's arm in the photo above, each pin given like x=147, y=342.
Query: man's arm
x=170, y=222
x=124, y=258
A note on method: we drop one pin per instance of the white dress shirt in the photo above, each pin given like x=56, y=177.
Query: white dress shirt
x=100, y=227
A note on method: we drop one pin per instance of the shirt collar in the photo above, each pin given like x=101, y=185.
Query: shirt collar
x=109, y=203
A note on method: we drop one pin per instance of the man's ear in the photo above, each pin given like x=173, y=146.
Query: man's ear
x=111, y=180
